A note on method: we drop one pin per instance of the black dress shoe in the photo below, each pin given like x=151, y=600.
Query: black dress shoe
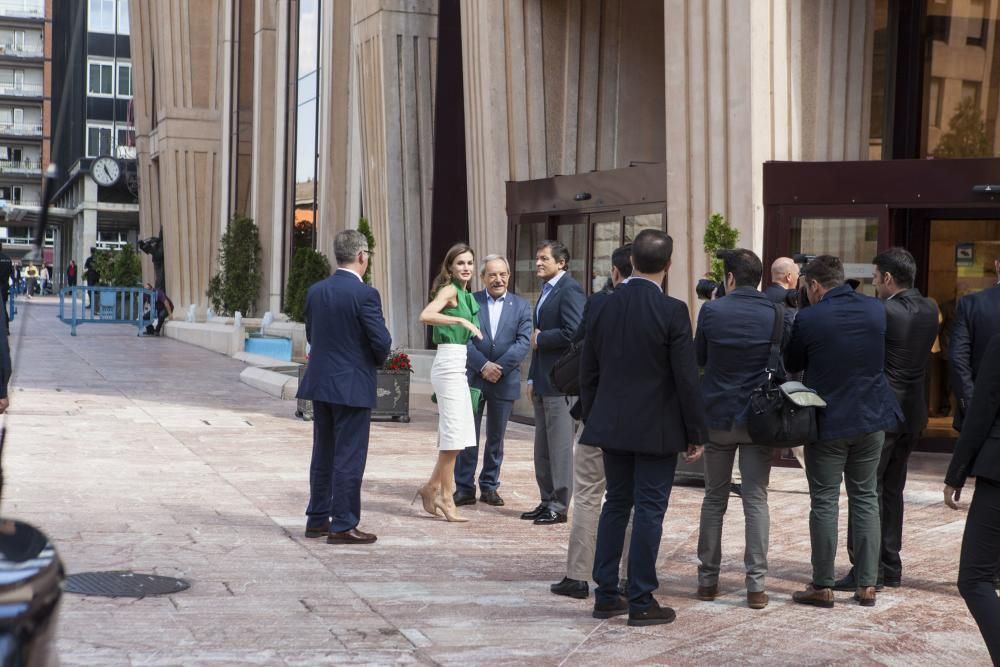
x=352, y=536
x=571, y=588
x=654, y=615
x=890, y=583
x=464, y=499
x=548, y=517
x=846, y=583
x=321, y=530
x=491, y=498
x=610, y=609
x=535, y=513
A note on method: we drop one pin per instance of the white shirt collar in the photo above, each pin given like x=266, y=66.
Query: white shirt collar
x=652, y=282
x=352, y=272
x=490, y=299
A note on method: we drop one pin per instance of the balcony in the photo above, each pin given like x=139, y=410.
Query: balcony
x=9, y=129
x=21, y=51
x=14, y=89
x=20, y=168
x=22, y=9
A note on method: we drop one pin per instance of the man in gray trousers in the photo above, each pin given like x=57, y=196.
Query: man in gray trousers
x=557, y=316
x=733, y=344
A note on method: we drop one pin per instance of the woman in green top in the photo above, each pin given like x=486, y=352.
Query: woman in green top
x=453, y=312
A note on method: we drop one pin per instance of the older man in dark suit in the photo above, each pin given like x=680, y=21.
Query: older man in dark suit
x=641, y=406
x=493, y=366
x=977, y=318
x=557, y=316
x=839, y=341
x=348, y=338
x=911, y=327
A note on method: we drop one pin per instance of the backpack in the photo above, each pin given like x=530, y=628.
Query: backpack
x=564, y=376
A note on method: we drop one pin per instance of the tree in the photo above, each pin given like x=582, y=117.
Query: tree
x=118, y=268
x=366, y=229
x=719, y=235
x=308, y=267
x=235, y=286
x=966, y=135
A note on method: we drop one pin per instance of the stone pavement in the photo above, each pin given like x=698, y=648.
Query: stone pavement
x=150, y=455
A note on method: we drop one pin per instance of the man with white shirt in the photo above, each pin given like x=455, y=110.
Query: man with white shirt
x=493, y=366
x=557, y=316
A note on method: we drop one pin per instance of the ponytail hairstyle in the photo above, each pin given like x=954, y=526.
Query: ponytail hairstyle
x=444, y=276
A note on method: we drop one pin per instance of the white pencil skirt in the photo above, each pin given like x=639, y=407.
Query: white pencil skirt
x=456, y=426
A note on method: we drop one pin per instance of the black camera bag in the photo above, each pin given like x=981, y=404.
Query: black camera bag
x=564, y=376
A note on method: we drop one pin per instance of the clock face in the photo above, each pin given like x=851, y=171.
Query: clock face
x=106, y=171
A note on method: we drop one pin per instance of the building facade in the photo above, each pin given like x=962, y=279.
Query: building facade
x=503, y=122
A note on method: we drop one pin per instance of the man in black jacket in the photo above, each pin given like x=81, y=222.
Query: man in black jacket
x=784, y=279
x=911, y=327
x=977, y=318
x=977, y=453
x=641, y=406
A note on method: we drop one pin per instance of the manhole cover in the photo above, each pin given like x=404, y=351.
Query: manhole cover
x=122, y=584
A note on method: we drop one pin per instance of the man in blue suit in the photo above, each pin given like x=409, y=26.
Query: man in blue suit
x=494, y=366
x=348, y=339
x=557, y=316
x=977, y=319
x=641, y=405
x=839, y=341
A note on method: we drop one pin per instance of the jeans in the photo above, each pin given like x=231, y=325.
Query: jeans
x=642, y=482
x=855, y=461
x=980, y=562
x=755, y=464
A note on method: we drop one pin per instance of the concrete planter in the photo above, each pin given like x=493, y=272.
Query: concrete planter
x=392, y=396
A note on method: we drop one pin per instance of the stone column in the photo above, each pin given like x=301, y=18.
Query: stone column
x=779, y=80
x=394, y=49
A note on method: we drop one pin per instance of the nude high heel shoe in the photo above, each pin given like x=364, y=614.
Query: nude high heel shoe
x=446, y=505
x=427, y=496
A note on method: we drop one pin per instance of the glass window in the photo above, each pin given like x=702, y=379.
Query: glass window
x=880, y=55
x=123, y=27
x=98, y=140
x=100, y=79
x=124, y=80
x=605, y=241
x=636, y=223
x=126, y=136
x=101, y=17
x=306, y=124
x=529, y=235
x=853, y=240
x=574, y=237
x=961, y=90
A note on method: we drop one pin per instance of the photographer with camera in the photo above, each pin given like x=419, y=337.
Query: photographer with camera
x=733, y=344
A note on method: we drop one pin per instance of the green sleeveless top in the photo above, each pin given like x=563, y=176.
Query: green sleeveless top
x=467, y=309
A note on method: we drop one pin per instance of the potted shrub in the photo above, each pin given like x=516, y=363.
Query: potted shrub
x=392, y=388
x=308, y=266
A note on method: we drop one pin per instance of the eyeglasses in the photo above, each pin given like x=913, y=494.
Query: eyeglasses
x=369, y=252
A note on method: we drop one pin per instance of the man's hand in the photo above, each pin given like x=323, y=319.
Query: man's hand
x=4, y=404
x=952, y=496
x=534, y=338
x=693, y=453
x=492, y=372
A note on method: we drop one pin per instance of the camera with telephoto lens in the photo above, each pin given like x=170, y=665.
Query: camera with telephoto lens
x=706, y=286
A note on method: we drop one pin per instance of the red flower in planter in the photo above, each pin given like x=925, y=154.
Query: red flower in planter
x=398, y=360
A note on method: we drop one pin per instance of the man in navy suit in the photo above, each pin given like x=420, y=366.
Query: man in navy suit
x=494, y=366
x=348, y=338
x=977, y=319
x=839, y=341
x=557, y=316
x=733, y=344
x=641, y=405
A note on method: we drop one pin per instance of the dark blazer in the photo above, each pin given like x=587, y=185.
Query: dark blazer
x=776, y=293
x=977, y=451
x=977, y=318
x=509, y=348
x=638, y=380
x=557, y=320
x=6, y=367
x=348, y=339
x=733, y=344
x=911, y=325
x=595, y=302
x=840, y=344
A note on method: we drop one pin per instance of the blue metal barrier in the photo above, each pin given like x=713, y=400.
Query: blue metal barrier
x=108, y=305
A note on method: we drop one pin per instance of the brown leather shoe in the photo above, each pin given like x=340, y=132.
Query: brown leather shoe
x=352, y=536
x=708, y=593
x=817, y=597
x=321, y=530
x=865, y=596
x=757, y=600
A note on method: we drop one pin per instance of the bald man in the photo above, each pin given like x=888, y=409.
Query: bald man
x=784, y=277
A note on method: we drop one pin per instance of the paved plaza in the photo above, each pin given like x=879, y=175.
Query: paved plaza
x=150, y=455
